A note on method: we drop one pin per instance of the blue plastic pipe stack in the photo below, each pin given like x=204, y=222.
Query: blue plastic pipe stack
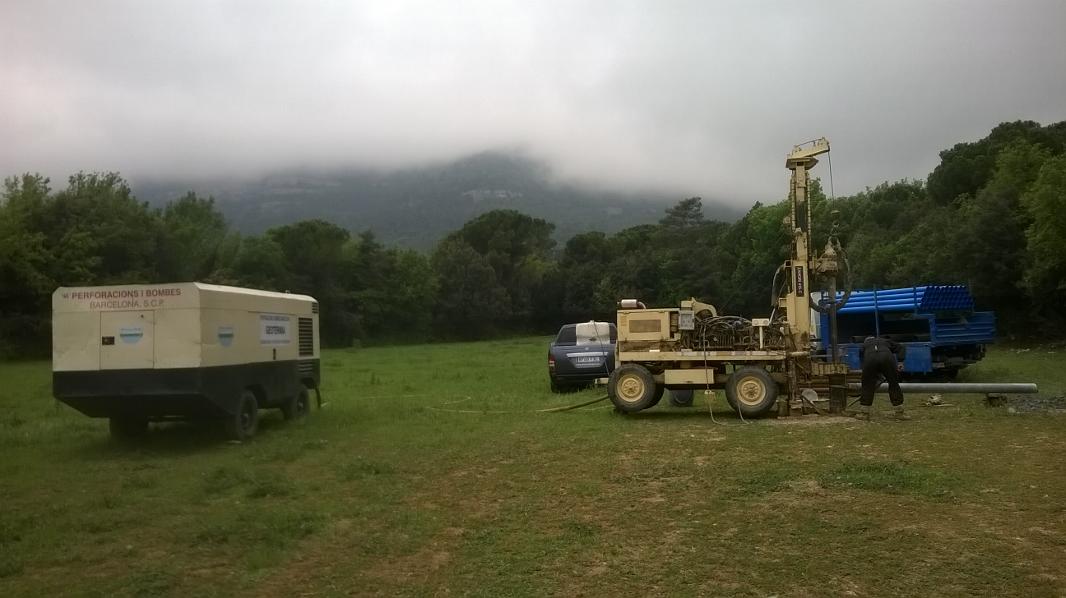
x=918, y=299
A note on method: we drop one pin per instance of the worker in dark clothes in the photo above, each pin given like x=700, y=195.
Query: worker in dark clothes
x=881, y=357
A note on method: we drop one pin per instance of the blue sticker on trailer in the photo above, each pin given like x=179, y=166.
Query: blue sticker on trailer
x=130, y=336
x=225, y=335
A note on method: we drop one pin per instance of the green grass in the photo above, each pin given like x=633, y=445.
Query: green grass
x=429, y=472
x=895, y=477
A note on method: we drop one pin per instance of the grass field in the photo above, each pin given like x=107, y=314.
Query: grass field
x=384, y=493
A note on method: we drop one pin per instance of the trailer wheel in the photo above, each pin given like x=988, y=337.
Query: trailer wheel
x=128, y=427
x=681, y=398
x=297, y=406
x=632, y=388
x=751, y=391
x=242, y=425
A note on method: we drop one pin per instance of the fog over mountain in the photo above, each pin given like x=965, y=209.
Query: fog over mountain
x=677, y=98
x=416, y=207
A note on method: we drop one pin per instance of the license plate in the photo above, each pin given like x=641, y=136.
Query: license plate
x=589, y=359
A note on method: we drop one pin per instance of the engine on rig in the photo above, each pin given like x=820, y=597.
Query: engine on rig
x=731, y=333
x=696, y=326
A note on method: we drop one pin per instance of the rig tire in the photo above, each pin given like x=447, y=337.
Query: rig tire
x=751, y=391
x=659, y=390
x=682, y=397
x=632, y=388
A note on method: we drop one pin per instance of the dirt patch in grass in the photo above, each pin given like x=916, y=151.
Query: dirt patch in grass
x=418, y=567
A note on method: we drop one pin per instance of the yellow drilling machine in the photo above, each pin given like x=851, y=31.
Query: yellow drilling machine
x=761, y=363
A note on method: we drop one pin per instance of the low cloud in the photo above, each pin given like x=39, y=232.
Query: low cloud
x=693, y=98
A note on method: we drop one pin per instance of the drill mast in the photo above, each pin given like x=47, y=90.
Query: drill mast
x=795, y=303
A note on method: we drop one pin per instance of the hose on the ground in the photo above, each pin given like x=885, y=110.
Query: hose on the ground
x=569, y=407
x=485, y=411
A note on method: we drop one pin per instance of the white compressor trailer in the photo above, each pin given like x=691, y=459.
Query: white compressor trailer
x=140, y=353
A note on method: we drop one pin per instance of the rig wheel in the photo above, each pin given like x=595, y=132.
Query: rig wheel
x=681, y=398
x=751, y=391
x=632, y=388
x=243, y=424
x=659, y=390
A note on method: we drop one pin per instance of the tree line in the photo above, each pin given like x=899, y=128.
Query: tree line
x=991, y=215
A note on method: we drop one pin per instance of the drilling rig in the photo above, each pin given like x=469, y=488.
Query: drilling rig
x=760, y=363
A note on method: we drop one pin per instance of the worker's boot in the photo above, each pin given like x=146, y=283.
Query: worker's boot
x=863, y=414
x=899, y=414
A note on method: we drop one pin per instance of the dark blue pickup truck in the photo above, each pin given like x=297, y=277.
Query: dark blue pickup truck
x=580, y=354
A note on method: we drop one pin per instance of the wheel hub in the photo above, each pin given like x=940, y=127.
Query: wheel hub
x=630, y=389
x=751, y=391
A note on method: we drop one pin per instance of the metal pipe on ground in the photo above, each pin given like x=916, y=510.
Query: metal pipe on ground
x=958, y=387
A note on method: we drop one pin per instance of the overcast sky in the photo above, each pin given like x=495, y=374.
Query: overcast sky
x=697, y=98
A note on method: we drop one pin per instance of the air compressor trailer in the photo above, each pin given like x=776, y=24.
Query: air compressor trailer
x=140, y=353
